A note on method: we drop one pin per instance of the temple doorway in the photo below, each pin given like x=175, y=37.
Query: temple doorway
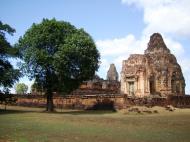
x=131, y=88
x=173, y=86
x=152, y=86
x=177, y=88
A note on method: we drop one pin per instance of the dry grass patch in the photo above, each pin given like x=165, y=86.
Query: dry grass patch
x=22, y=124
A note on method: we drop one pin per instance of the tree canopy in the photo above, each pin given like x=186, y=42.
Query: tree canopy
x=8, y=75
x=21, y=88
x=58, y=55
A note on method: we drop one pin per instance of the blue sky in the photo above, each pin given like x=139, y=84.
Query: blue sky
x=119, y=27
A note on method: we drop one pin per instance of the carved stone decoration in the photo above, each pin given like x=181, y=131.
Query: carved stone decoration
x=112, y=74
x=154, y=73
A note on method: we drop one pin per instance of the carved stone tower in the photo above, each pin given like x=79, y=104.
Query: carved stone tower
x=112, y=74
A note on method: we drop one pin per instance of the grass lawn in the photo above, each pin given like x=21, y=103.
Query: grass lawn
x=21, y=124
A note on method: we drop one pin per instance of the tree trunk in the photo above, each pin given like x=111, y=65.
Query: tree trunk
x=49, y=105
x=5, y=106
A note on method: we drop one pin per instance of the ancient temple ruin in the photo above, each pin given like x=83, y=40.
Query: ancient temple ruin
x=154, y=73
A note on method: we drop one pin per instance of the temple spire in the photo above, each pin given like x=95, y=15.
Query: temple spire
x=112, y=74
x=156, y=45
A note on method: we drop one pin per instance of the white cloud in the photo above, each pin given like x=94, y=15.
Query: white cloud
x=175, y=47
x=165, y=16
x=118, y=46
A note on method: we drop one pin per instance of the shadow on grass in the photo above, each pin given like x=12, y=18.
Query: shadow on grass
x=100, y=107
x=64, y=111
x=85, y=112
x=10, y=111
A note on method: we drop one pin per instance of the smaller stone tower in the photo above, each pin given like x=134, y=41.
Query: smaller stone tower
x=112, y=74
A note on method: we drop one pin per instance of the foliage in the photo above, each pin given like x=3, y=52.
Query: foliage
x=21, y=88
x=58, y=55
x=37, y=89
x=8, y=75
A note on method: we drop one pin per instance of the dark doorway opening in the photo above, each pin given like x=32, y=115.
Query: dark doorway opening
x=152, y=86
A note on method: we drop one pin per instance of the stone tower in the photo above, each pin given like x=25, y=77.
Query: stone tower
x=112, y=74
x=154, y=73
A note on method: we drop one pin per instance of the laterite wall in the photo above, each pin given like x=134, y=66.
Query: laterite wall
x=101, y=101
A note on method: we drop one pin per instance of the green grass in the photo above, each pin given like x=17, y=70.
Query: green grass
x=20, y=124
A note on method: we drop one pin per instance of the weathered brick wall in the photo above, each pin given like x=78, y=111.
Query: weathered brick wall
x=80, y=102
x=31, y=100
x=179, y=101
x=101, y=101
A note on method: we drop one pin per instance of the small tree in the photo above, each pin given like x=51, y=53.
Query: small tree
x=59, y=56
x=21, y=88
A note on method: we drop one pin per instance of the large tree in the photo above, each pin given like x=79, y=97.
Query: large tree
x=8, y=75
x=58, y=55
